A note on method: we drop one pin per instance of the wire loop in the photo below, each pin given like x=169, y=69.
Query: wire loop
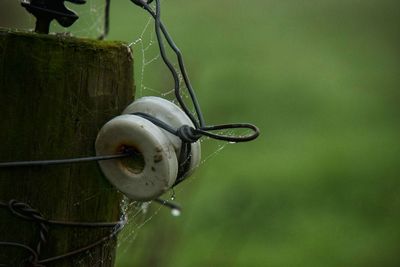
x=26, y=212
x=34, y=259
x=189, y=134
x=186, y=133
x=200, y=126
x=230, y=138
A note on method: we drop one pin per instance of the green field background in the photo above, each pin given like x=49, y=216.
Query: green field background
x=320, y=186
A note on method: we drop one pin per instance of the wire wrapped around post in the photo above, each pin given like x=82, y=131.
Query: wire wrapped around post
x=188, y=133
x=52, y=107
x=25, y=212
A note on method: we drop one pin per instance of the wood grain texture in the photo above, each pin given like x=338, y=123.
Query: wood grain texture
x=55, y=94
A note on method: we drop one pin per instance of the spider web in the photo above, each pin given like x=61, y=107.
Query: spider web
x=90, y=23
x=152, y=78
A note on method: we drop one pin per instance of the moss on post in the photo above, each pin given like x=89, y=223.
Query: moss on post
x=56, y=92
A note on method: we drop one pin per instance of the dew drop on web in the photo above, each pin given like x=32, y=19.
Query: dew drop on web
x=175, y=212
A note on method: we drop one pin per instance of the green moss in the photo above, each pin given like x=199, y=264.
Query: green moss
x=64, y=40
x=56, y=93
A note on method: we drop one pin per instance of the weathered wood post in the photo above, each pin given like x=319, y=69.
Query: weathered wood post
x=55, y=94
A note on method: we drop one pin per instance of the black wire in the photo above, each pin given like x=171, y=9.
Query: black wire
x=26, y=212
x=156, y=121
x=234, y=139
x=160, y=26
x=200, y=125
x=186, y=133
x=106, y=20
x=31, y=163
x=19, y=245
x=118, y=228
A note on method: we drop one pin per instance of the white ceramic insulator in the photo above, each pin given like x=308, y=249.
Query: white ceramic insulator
x=171, y=114
x=160, y=162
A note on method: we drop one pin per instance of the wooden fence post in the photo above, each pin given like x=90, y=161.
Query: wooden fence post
x=55, y=94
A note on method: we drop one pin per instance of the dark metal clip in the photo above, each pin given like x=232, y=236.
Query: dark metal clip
x=47, y=10
x=141, y=3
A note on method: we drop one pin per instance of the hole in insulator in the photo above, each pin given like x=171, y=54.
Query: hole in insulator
x=135, y=163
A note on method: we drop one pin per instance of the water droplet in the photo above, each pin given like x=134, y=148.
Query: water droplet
x=175, y=212
x=173, y=194
x=144, y=207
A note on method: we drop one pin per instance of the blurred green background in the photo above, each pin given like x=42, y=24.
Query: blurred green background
x=320, y=186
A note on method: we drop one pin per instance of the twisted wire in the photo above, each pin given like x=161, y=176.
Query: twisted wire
x=186, y=133
x=26, y=212
x=200, y=126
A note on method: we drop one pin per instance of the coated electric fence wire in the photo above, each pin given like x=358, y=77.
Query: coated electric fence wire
x=186, y=133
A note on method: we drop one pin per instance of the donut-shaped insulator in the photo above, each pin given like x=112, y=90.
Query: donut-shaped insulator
x=171, y=114
x=151, y=170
